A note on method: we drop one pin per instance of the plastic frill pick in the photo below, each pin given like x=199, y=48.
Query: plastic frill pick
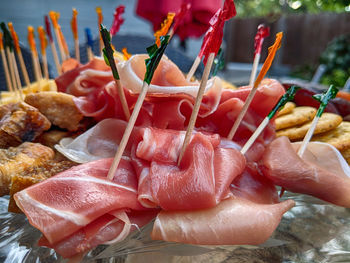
x=263, y=32
x=151, y=65
x=219, y=62
x=164, y=27
x=213, y=37
x=155, y=55
x=266, y=66
x=89, y=39
x=8, y=42
x=118, y=20
x=48, y=29
x=178, y=19
x=42, y=38
x=288, y=96
x=323, y=99
x=108, y=51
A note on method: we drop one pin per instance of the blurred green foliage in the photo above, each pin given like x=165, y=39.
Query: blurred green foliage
x=254, y=8
x=336, y=57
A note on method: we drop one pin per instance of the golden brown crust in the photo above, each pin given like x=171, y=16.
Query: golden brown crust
x=298, y=116
x=20, y=122
x=58, y=107
x=339, y=137
x=327, y=122
x=15, y=160
x=288, y=108
x=33, y=175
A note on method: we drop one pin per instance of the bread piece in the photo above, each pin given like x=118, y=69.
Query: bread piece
x=33, y=175
x=20, y=122
x=15, y=160
x=58, y=107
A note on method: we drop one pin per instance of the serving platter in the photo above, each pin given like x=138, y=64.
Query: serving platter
x=312, y=231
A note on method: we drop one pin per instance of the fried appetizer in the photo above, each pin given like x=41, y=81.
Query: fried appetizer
x=58, y=107
x=20, y=122
x=33, y=175
x=15, y=160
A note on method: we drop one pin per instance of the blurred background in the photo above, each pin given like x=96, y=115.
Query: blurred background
x=316, y=33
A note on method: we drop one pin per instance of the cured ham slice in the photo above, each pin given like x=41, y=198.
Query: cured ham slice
x=101, y=141
x=202, y=180
x=254, y=186
x=75, y=198
x=322, y=172
x=235, y=221
x=108, y=229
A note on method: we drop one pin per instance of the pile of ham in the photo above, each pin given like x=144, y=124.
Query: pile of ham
x=215, y=196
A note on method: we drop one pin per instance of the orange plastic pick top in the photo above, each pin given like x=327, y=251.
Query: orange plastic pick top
x=14, y=37
x=126, y=54
x=1, y=43
x=74, y=24
x=164, y=27
x=267, y=64
x=54, y=16
x=99, y=15
x=31, y=40
x=43, y=40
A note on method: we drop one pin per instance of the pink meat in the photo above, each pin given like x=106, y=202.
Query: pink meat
x=235, y=221
x=109, y=228
x=285, y=168
x=77, y=197
x=254, y=186
x=202, y=180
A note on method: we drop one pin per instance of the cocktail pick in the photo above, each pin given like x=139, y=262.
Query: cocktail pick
x=19, y=54
x=6, y=68
x=52, y=45
x=164, y=28
x=74, y=26
x=210, y=47
x=323, y=99
x=109, y=59
x=155, y=55
x=8, y=44
x=213, y=37
x=288, y=96
x=43, y=45
x=179, y=17
x=89, y=43
x=34, y=53
x=262, y=33
x=99, y=22
x=267, y=64
x=54, y=16
x=117, y=20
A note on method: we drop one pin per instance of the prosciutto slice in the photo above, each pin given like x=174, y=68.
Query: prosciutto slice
x=201, y=181
x=235, y=221
x=322, y=172
x=73, y=199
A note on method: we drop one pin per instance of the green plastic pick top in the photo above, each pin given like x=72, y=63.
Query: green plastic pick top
x=288, y=96
x=324, y=98
x=155, y=55
x=219, y=62
x=8, y=42
x=108, y=51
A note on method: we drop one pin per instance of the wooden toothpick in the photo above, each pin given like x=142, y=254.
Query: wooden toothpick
x=197, y=105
